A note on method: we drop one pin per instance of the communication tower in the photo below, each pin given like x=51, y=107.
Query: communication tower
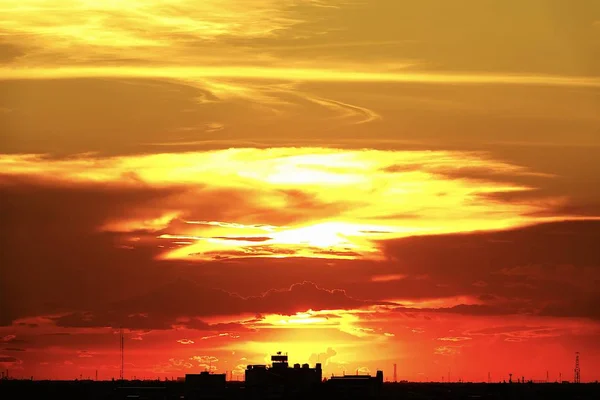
x=122, y=348
x=577, y=370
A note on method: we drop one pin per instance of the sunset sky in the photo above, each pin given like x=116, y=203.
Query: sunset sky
x=354, y=182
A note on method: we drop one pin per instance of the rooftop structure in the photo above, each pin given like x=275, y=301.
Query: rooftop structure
x=204, y=385
x=280, y=378
x=355, y=386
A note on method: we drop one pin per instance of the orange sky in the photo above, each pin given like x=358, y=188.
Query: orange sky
x=359, y=183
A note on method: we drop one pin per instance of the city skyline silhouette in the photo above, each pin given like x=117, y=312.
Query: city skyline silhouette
x=394, y=186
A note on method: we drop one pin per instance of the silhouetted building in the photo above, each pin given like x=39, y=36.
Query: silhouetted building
x=280, y=379
x=205, y=386
x=354, y=386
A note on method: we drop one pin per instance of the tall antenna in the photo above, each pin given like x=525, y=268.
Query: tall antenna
x=577, y=370
x=122, y=347
x=395, y=375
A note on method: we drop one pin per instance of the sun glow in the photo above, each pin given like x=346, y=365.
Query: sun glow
x=345, y=321
x=297, y=202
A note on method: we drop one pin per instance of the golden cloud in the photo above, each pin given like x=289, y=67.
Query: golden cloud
x=307, y=202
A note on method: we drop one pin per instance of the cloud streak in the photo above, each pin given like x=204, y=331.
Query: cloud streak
x=296, y=74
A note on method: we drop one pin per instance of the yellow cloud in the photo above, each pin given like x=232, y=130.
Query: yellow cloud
x=188, y=39
x=339, y=74
x=333, y=203
x=131, y=24
x=346, y=321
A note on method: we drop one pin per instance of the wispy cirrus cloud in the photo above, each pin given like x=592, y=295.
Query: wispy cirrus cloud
x=454, y=339
x=91, y=31
x=297, y=74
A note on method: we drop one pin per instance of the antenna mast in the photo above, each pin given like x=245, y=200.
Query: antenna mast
x=577, y=370
x=122, y=348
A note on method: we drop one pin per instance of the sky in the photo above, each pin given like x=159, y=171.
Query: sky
x=357, y=183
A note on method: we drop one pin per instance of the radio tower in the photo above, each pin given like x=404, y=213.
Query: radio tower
x=122, y=347
x=577, y=370
x=395, y=376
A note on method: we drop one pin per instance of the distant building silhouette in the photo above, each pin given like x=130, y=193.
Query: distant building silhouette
x=204, y=385
x=354, y=386
x=280, y=379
